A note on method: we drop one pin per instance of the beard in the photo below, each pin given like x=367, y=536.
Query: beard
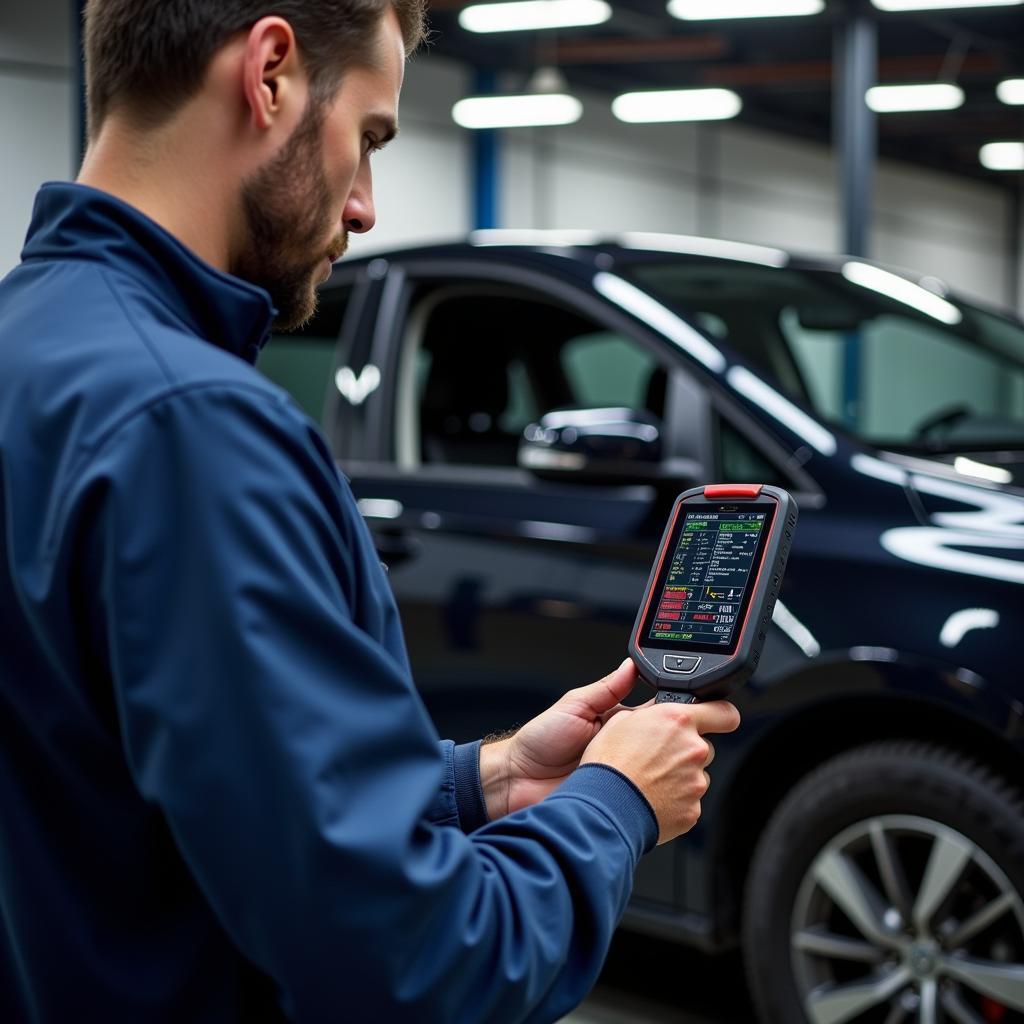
x=286, y=204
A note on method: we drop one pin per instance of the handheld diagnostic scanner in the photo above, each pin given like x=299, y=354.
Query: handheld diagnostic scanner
x=711, y=593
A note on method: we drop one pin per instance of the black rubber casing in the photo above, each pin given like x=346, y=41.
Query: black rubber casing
x=718, y=675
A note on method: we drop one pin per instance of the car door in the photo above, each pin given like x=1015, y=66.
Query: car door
x=512, y=588
x=307, y=362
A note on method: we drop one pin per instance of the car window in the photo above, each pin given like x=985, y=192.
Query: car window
x=486, y=362
x=604, y=369
x=853, y=348
x=302, y=361
x=739, y=462
x=871, y=379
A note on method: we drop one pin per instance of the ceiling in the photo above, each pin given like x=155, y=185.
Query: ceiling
x=783, y=69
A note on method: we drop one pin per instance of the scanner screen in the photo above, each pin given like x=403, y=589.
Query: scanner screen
x=708, y=577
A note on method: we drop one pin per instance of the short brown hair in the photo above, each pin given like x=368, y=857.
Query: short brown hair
x=148, y=57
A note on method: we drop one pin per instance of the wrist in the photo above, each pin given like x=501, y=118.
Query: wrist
x=495, y=776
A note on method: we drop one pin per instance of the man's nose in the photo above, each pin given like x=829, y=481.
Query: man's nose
x=359, y=215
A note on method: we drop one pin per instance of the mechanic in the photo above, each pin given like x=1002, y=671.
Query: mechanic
x=221, y=798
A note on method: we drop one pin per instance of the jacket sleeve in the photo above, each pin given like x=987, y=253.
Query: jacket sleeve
x=291, y=755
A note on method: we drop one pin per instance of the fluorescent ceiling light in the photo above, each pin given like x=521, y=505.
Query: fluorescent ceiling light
x=526, y=15
x=1003, y=156
x=713, y=10
x=887, y=99
x=1011, y=91
x=899, y=288
x=676, y=105
x=517, y=111
x=939, y=5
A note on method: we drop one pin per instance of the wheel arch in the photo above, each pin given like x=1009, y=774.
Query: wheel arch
x=818, y=720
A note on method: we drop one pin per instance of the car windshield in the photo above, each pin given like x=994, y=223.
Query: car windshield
x=891, y=361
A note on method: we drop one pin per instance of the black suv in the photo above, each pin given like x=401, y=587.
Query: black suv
x=516, y=414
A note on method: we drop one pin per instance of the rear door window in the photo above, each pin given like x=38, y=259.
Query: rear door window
x=302, y=362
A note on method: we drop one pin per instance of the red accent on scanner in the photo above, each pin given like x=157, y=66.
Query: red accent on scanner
x=719, y=492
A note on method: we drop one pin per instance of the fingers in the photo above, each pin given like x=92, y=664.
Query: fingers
x=711, y=754
x=714, y=716
x=602, y=696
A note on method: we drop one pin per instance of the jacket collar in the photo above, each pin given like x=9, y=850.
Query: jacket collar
x=77, y=222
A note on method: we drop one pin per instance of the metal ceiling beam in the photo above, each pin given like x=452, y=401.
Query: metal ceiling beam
x=823, y=72
x=936, y=125
x=628, y=51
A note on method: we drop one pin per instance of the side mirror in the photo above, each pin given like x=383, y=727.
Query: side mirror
x=609, y=445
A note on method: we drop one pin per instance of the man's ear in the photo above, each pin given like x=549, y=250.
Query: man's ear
x=272, y=71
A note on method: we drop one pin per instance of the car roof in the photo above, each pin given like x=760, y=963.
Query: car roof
x=499, y=242
x=584, y=245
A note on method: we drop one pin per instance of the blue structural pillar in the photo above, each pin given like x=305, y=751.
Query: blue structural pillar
x=855, y=132
x=486, y=154
x=855, y=125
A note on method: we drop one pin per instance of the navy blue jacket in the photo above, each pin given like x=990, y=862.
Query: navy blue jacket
x=221, y=798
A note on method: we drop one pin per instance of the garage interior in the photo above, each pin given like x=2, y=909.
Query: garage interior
x=798, y=138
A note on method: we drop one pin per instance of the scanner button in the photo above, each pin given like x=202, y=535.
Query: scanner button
x=681, y=664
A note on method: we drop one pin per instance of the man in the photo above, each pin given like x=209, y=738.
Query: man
x=220, y=796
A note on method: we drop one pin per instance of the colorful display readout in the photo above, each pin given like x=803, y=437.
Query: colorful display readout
x=707, y=578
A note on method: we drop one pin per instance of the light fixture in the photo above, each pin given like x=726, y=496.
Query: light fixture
x=1011, y=91
x=676, y=105
x=893, y=286
x=940, y=5
x=889, y=99
x=530, y=15
x=1002, y=156
x=528, y=111
x=714, y=10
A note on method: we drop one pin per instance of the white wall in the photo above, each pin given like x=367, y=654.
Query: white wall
x=35, y=111
x=736, y=182
x=723, y=180
x=421, y=182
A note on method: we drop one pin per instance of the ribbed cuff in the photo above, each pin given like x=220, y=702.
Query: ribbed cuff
x=620, y=798
x=469, y=792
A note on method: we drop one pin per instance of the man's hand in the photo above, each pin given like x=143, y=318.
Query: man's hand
x=662, y=750
x=524, y=768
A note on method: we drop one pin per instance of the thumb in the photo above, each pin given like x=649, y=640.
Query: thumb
x=606, y=693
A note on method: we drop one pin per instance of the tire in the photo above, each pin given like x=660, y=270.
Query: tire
x=889, y=887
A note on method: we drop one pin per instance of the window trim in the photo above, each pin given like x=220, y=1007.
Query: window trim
x=688, y=407
x=789, y=465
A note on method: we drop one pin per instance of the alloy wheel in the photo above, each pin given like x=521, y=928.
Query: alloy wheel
x=901, y=918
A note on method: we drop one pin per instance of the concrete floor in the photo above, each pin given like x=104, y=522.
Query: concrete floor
x=647, y=981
